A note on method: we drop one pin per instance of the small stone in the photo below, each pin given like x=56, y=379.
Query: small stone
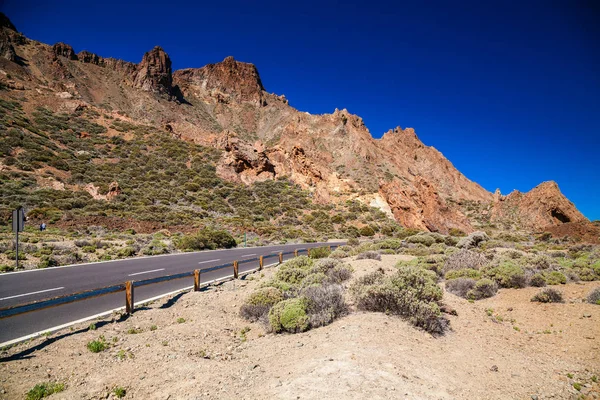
x=534, y=397
x=494, y=368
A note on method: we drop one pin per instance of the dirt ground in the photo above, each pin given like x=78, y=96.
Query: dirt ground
x=505, y=347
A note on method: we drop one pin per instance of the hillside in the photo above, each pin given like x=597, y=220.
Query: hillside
x=89, y=136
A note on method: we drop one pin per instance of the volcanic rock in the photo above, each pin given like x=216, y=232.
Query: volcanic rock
x=89, y=58
x=64, y=50
x=154, y=72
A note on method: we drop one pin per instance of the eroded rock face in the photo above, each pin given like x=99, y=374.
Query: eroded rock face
x=64, y=50
x=243, y=162
x=543, y=206
x=421, y=207
x=89, y=58
x=225, y=80
x=7, y=50
x=154, y=72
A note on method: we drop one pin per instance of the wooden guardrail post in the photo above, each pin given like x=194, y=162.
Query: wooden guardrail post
x=260, y=263
x=196, y=280
x=129, y=297
x=280, y=258
x=296, y=253
x=308, y=251
x=329, y=248
x=235, y=269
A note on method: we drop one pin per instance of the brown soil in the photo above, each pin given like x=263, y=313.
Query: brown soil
x=121, y=224
x=363, y=355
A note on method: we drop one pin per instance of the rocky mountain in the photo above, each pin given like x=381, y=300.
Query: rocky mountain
x=260, y=137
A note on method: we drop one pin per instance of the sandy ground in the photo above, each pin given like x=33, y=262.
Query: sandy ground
x=505, y=347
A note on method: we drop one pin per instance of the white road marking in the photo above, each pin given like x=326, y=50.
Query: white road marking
x=105, y=313
x=27, y=294
x=204, y=262
x=248, y=255
x=146, y=272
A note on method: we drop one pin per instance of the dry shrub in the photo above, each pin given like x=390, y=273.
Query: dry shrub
x=548, y=295
x=537, y=280
x=483, y=289
x=369, y=255
x=325, y=304
x=460, y=286
x=594, y=296
x=473, y=240
x=258, y=304
x=464, y=259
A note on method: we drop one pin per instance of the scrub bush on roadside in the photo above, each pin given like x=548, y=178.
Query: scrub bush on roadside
x=548, y=295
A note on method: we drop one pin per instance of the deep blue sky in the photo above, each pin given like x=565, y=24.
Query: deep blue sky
x=509, y=91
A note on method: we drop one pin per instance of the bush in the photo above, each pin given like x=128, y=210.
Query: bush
x=289, y=316
x=6, y=268
x=463, y=273
x=537, y=280
x=473, y=240
x=555, y=278
x=483, y=289
x=594, y=296
x=366, y=231
x=460, y=286
x=96, y=346
x=353, y=242
x=319, y=252
x=369, y=255
x=411, y=293
x=335, y=270
x=338, y=254
x=507, y=275
x=548, y=295
x=258, y=304
x=421, y=238
x=324, y=304
x=206, y=238
x=42, y=390
x=464, y=259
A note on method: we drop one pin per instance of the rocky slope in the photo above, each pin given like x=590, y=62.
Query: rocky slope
x=226, y=106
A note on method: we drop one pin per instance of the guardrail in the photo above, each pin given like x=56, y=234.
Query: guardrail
x=129, y=286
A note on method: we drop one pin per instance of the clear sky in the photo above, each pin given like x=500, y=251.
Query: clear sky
x=509, y=90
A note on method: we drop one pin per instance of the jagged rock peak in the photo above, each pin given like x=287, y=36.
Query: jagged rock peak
x=228, y=78
x=6, y=23
x=89, y=58
x=64, y=50
x=154, y=72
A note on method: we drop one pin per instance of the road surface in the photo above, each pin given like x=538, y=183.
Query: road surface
x=34, y=285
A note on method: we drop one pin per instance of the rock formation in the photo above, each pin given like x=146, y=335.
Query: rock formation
x=543, y=206
x=64, y=50
x=261, y=137
x=154, y=72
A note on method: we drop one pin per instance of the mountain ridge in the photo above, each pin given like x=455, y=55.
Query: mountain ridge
x=225, y=106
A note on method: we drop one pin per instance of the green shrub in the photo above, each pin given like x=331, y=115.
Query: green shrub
x=463, y=273
x=319, y=252
x=42, y=390
x=289, y=316
x=206, y=238
x=421, y=238
x=507, y=274
x=126, y=252
x=366, y=231
x=314, y=279
x=258, y=304
x=411, y=293
x=555, y=278
x=483, y=289
x=96, y=346
x=6, y=268
x=537, y=280
x=548, y=295
x=119, y=392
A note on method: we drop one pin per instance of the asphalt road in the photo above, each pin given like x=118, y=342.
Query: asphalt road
x=40, y=284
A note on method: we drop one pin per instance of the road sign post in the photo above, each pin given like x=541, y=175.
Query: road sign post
x=18, y=223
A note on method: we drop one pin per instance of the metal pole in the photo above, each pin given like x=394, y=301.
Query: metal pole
x=245, y=242
x=17, y=256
